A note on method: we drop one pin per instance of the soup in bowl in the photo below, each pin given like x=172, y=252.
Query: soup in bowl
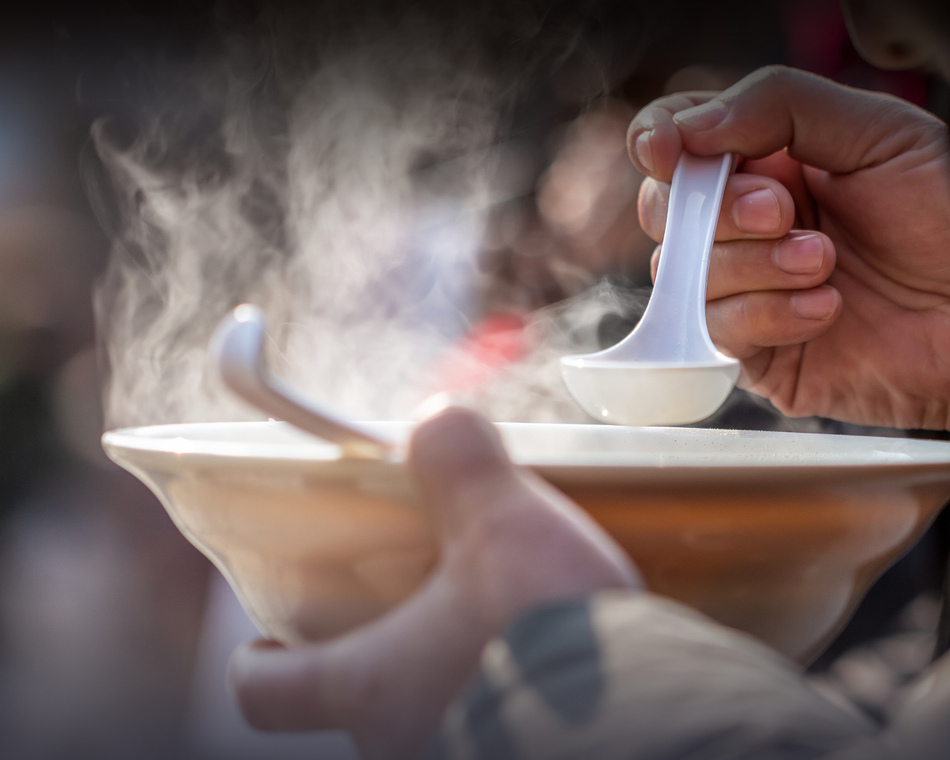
x=776, y=534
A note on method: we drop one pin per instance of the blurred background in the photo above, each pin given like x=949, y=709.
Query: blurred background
x=111, y=644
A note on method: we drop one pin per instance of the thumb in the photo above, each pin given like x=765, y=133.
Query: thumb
x=821, y=123
x=473, y=489
x=461, y=467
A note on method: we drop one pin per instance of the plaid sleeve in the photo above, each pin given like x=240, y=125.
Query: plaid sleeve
x=637, y=677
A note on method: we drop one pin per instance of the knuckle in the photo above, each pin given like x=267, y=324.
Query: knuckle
x=774, y=75
x=720, y=260
x=758, y=320
x=743, y=316
x=731, y=318
x=646, y=118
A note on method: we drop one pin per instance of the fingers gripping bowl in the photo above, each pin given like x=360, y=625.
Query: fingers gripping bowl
x=777, y=534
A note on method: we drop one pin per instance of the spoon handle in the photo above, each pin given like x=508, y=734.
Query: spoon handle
x=677, y=309
x=237, y=351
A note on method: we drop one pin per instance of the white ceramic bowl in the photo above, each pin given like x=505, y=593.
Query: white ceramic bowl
x=777, y=534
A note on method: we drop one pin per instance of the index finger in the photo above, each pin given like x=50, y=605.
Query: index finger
x=653, y=140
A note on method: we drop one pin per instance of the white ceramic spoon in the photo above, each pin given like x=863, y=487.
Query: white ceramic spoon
x=667, y=371
x=237, y=350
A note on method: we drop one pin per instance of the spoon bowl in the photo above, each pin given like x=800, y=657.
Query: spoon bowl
x=641, y=393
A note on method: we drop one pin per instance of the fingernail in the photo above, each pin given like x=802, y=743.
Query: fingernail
x=819, y=303
x=799, y=254
x=757, y=212
x=644, y=154
x=703, y=117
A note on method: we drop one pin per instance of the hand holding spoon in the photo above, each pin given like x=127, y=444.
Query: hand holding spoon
x=667, y=371
x=237, y=349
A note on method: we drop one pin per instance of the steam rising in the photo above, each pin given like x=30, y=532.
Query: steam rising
x=348, y=201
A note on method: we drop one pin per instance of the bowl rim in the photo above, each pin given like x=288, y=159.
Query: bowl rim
x=159, y=442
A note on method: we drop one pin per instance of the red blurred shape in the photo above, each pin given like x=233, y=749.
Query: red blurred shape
x=494, y=342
